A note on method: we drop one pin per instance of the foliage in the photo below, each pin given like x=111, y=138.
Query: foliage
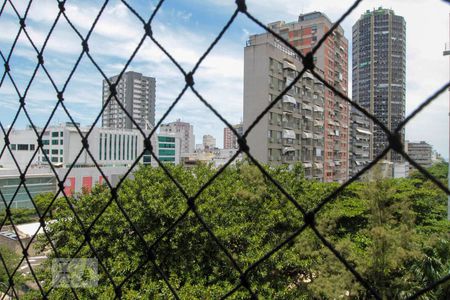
x=382, y=228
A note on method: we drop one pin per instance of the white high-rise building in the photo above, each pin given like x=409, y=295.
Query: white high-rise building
x=136, y=93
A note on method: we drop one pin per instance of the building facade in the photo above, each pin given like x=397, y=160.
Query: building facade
x=230, y=140
x=184, y=131
x=136, y=93
x=332, y=59
x=209, y=142
x=293, y=130
x=379, y=73
x=360, y=136
x=421, y=152
x=62, y=145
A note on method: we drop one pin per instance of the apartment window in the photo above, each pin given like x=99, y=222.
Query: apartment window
x=100, y=147
x=61, y=152
x=132, y=147
x=128, y=147
x=110, y=146
x=172, y=159
x=135, y=146
x=119, y=146
x=55, y=159
x=45, y=142
x=22, y=147
x=55, y=134
x=115, y=145
x=166, y=152
x=123, y=147
x=54, y=142
x=55, y=151
x=61, y=134
x=61, y=142
x=166, y=139
x=13, y=146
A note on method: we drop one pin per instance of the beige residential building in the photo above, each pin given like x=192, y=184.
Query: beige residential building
x=293, y=130
x=332, y=58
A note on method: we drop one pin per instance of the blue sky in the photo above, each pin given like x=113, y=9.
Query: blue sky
x=186, y=28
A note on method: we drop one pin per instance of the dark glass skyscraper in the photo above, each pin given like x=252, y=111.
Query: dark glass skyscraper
x=379, y=71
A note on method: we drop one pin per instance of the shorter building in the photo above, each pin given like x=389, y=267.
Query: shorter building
x=421, y=153
x=113, y=150
x=10, y=239
x=38, y=181
x=360, y=135
x=216, y=157
x=209, y=142
x=62, y=145
x=182, y=130
x=230, y=140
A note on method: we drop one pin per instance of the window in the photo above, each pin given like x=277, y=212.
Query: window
x=61, y=134
x=32, y=147
x=55, y=151
x=61, y=152
x=100, y=147
x=166, y=145
x=45, y=142
x=61, y=142
x=166, y=139
x=22, y=147
x=166, y=152
x=55, y=134
x=13, y=146
x=54, y=142
x=54, y=159
x=167, y=159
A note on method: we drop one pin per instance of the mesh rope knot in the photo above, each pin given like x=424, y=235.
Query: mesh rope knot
x=242, y=7
x=148, y=145
x=60, y=96
x=113, y=89
x=148, y=29
x=395, y=142
x=61, y=6
x=85, y=46
x=40, y=59
x=22, y=23
x=243, y=146
x=7, y=69
x=308, y=61
x=189, y=79
x=310, y=219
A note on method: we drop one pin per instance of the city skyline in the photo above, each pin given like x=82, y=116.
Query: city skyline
x=179, y=25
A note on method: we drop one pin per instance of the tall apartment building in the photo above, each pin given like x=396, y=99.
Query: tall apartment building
x=136, y=93
x=293, y=130
x=379, y=72
x=182, y=130
x=332, y=59
x=230, y=140
x=421, y=153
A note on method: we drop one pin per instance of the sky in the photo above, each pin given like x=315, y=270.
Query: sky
x=186, y=29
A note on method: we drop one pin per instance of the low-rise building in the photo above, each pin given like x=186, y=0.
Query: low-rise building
x=421, y=153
